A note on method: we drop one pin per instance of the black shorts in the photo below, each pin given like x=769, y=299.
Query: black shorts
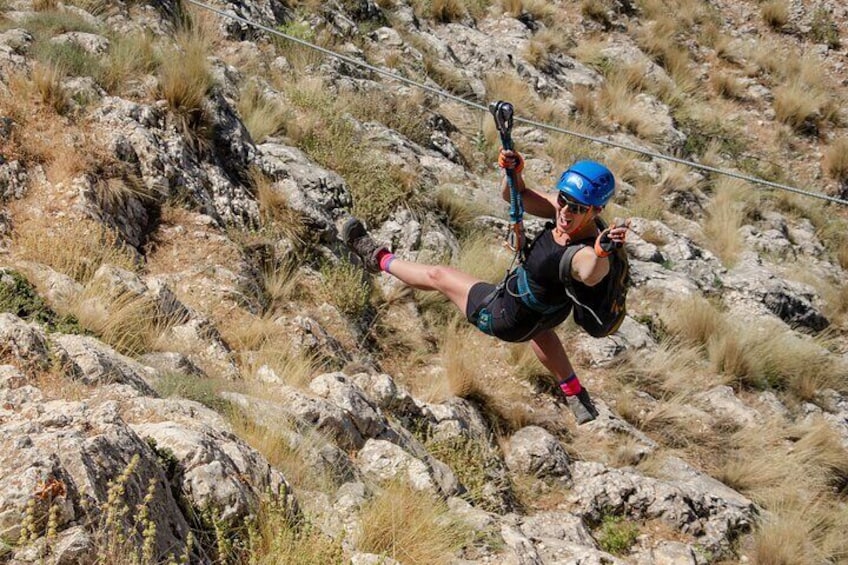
x=505, y=317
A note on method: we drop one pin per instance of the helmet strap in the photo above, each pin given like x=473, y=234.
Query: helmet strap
x=587, y=217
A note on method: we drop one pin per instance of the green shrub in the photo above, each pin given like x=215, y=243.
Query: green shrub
x=344, y=286
x=823, y=29
x=199, y=389
x=616, y=535
x=19, y=297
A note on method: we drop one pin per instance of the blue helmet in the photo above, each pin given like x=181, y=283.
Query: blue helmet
x=588, y=182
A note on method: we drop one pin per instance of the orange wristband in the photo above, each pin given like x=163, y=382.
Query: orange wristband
x=599, y=251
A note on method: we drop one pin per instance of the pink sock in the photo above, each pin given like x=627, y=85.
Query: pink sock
x=571, y=385
x=385, y=257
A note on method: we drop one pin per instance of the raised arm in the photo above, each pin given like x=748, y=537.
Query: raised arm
x=534, y=202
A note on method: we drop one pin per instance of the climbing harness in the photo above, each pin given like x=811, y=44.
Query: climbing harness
x=515, y=239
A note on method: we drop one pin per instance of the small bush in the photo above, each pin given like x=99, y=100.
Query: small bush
x=280, y=538
x=19, y=297
x=199, y=389
x=343, y=285
x=616, y=535
x=823, y=29
x=478, y=466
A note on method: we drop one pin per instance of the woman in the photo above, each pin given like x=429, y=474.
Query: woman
x=532, y=300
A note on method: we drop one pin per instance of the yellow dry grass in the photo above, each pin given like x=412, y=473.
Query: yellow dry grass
x=724, y=218
x=410, y=526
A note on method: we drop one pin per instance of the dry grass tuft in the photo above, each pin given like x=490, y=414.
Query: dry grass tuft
x=185, y=76
x=47, y=80
x=278, y=218
x=772, y=357
x=86, y=245
x=724, y=218
x=288, y=450
x=464, y=363
x=126, y=321
x=542, y=46
x=410, y=526
x=620, y=100
x=693, y=320
x=727, y=85
x=263, y=115
x=513, y=89
x=647, y=202
x=447, y=11
x=273, y=357
x=775, y=13
x=835, y=162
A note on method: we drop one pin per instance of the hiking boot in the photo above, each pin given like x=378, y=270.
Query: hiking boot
x=357, y=239
x=582, y=406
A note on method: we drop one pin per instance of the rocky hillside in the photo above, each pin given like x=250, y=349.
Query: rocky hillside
x=194, y=370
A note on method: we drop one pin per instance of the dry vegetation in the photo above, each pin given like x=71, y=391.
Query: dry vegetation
x=796, y=472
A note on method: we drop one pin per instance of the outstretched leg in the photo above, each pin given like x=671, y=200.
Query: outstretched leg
x=454, y=284
x=548, y=348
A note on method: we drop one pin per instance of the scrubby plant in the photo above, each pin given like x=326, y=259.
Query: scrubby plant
x=344, y=286
x=401, y=113
x=19, y=297
x=280, y=538
x=200, y=389
x=301, y=57
x=410, y=526
x=823, y=28
x=616, y=535
x=477, y=464
x=130, y=57
x=328, y=136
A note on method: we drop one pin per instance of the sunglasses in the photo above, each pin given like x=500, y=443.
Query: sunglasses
x=573, y=205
